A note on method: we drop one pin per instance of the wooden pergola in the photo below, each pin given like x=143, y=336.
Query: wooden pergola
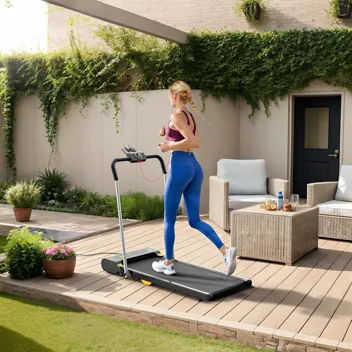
x=117, y=16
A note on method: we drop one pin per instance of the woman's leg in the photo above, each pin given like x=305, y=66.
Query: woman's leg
x=180, y=174
x=192, y=201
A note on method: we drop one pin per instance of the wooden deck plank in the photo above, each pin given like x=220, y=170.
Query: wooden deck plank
x=101, y=281
x=264, y=308
x=248, y=304
x=321, y=316
x=128, y=290
x=348, y=336
x=341, y=320
x=156, y=297
x=170, y=300
x=259, y=272
x=279, y=315
x=142, y=294
x=306, y=308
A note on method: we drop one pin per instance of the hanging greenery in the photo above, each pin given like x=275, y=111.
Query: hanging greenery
x=260, y=67
x=250, y=8
x=339, y=9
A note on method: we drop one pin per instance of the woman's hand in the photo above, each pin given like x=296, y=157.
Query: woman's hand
x=162, y=131
x=164, y=147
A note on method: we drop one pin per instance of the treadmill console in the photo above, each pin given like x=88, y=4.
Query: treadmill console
x=133, y=155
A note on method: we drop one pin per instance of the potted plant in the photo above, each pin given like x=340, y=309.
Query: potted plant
x=340, y=9
x=250, y=8
x=24, y=253
x=23, y=196
x=59, y=261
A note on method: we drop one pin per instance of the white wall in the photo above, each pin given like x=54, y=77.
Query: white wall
x=87, y=145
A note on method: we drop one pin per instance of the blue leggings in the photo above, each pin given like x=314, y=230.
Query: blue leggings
x=185, y=177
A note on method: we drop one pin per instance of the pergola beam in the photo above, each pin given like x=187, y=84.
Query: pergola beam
x=117, y=16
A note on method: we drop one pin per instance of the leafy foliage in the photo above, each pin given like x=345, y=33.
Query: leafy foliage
x=261, y=67
x=334, y=10
x=24, y=194
x=248, y=8
x=8, y=4
x=4, y=186
x=134, y=206
x=53, y=185
x=24, y=253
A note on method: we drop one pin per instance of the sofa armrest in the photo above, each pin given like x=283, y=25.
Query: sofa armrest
x=276, y=185
x=219, y=201
x=320, y=192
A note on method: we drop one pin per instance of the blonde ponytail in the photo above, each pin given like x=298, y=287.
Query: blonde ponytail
x=183, y=90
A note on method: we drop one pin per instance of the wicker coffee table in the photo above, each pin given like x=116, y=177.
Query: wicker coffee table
x=276, y=236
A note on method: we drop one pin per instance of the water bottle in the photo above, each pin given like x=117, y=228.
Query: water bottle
x=280, y=201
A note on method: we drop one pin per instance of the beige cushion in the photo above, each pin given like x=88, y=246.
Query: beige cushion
x=242, y=201
x=336, y=207
x=344, y=187
x=244, y=176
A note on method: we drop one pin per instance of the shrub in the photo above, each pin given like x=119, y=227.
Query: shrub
x=140, y=206
x=25, y=253
x=53, y=185
x=24, y=194
x=134, y=206
x=75, y=194
x=59, y=251
x=97, y=204
x=4, y=186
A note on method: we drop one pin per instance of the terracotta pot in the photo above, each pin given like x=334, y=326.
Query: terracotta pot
x=22, y=214
x=59, y=269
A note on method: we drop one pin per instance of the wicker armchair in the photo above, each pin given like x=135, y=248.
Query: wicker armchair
x=335, y=205
x=240, y=184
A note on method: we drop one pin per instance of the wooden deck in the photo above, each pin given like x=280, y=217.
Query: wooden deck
x=292, y=308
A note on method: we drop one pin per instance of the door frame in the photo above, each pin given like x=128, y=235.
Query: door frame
x=291, y=140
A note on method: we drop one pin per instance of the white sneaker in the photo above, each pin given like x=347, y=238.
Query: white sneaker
x=230, y=260
x=161, y=267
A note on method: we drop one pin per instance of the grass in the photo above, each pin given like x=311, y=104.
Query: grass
x=3, y=242
x=32, y=326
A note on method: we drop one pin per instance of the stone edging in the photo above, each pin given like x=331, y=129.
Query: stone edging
x=267, y=338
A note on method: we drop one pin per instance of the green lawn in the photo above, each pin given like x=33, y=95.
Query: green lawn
x=31, y=326
x=3, y=242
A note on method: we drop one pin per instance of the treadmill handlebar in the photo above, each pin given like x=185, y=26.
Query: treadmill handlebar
x=118, y=160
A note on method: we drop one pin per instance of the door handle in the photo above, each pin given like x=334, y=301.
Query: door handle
x=333, y=155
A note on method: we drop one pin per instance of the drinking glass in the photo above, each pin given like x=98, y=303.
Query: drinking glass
x=294, y=201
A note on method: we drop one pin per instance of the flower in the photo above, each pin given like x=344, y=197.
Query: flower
x=59, y=251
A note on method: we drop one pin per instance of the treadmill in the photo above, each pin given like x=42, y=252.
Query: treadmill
x=192, y=280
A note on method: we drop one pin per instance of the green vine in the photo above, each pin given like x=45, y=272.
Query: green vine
x=7, y=102
x=259, y=67
x=8, y=4
x=334, y=10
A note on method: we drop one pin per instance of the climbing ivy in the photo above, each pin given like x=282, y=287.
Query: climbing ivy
x=334, y=10
x=260, y=67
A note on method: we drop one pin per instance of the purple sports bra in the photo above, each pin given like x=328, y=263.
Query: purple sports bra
x=176, y=136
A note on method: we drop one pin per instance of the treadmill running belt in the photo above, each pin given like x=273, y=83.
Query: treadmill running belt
x=189, y=279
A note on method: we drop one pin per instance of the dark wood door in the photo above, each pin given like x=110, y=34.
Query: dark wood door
x=317, y=123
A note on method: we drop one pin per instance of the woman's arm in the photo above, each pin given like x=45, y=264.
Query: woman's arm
x=190, y=140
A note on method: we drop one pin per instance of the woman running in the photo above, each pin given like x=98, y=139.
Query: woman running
x=185, y=177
